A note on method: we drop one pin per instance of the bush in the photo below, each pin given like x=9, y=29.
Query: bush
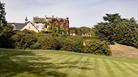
x=48, y=42
x=5, y=41
x=73, y=43
x=5, y=37
x=24, y=39
x=31, y=40
x=96, y=46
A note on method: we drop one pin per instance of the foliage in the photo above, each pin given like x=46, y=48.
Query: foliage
x=5, y=40
x=54, y=28
x=85, y=32
x=54, y=42
x=47, y=41
x=3, y=21
x=24, y=39
x=112, y=17
x=105, y=31
x=5, y=29
x=31, y=40
x=96, y=46
x=73, y=43
x=118, y=29
x=126, y=34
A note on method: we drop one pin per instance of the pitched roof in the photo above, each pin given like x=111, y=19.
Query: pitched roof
x=33, y=25
x=19, y=26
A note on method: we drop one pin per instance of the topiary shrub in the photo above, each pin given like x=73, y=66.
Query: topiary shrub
x=96, y=46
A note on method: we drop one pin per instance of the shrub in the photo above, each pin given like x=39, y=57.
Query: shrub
x=5, y=37
x=48, y=42
x=73, y=43
x=96, y=46
x=24, y=39
x=32, y=40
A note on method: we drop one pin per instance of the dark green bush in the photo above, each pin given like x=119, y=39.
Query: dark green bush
x=5, y=35
x=73, y=43
x=96, y=46
x=28, y=39
x=47, y=41
x=24, y=39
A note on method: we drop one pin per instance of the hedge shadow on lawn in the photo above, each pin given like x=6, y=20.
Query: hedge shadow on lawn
x=9, y=67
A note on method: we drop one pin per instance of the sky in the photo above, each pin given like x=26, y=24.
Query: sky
x=80, y=12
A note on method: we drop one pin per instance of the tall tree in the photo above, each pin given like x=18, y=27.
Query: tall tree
x=3, y=21
x=112, y=17
x=5, y=29
x=117, y=29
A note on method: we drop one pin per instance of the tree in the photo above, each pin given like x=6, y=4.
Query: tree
x=112, y=17
x=3, y=21
x=85, y=32
x=5, y=29
x=117, y=29
x=126, y=32
x=105, y=31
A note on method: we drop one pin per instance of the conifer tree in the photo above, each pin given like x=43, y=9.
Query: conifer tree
x=3, y=21
x=5, y=29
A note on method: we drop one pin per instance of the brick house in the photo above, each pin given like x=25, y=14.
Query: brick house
x=46, y=24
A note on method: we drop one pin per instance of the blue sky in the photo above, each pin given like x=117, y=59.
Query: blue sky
x=80, y=12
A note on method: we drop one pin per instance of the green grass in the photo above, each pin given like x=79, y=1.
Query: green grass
x=50, y=63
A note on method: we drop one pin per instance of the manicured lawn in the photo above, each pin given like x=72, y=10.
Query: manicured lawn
x=48, y=63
